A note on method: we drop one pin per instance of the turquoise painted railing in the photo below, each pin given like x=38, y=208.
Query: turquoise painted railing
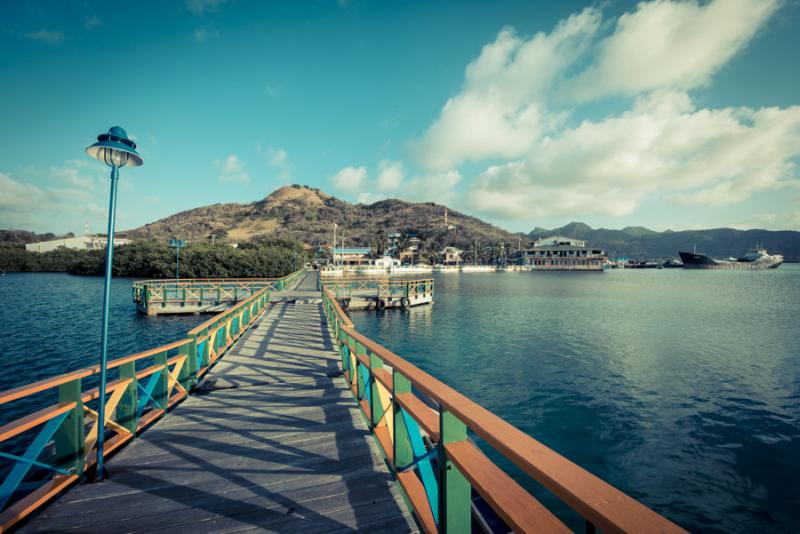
x=215, y=290
x=427, y=447
x=59, y=439
x=385, y=288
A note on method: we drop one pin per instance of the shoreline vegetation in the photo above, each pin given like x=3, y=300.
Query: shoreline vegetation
x=267, y=259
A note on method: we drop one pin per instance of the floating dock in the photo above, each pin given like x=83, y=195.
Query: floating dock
x=202, y=295
x=379, y=293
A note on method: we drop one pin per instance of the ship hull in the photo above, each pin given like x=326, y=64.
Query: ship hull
x=701, y=261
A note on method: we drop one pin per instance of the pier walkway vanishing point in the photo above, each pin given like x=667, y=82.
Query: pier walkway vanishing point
x=269, y=438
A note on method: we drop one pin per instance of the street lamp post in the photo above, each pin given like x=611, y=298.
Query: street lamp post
x=177, y=244
x=115, y=150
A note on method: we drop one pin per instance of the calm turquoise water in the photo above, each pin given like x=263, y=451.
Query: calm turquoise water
x=682, y=388
x=50, y=324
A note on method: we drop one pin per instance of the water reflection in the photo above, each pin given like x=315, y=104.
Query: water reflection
x=679, y=387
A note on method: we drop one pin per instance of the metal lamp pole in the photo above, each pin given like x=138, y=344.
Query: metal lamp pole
x=116, y=150
x=177, y=244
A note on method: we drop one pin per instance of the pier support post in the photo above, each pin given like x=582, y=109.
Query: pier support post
x=403, y=453
x=191, y=363
x=69, y=437
x=161, y=393
x=126, y=409
x=376, y=406
x=455, y=508
x=186, y=376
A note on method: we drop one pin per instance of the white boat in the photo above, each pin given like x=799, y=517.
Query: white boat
x=478, y=268
x=418, y=268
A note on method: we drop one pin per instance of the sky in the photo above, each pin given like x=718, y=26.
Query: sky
x=664, y=114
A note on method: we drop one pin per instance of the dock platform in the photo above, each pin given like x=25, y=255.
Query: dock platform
x=272, y=440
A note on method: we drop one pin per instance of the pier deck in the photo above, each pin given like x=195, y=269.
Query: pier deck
x=271, y=441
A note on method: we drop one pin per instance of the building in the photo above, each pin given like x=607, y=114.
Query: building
x=452, y=256
x=83, y=242
x=386, y=262
x=558, y=253
x=352, y=256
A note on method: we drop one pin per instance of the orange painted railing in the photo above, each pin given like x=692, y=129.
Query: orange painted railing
x=422, y=425
x=142, y=387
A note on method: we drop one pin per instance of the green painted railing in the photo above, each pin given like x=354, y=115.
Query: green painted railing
x=385, y=288
x=422, y=426
x=59, y=439
x=206, y=290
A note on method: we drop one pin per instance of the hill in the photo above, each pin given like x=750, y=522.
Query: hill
x=307, y=214
x=641, y=243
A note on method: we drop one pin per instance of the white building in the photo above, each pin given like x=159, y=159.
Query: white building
x=558, y=253
x=83, y=242
x=386, y=262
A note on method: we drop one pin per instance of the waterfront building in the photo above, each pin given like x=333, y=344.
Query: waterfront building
x=452, y=256
x=352, y=256
x=558, y=253
x=84, y=242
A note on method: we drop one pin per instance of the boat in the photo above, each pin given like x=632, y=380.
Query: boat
x=755, y=258
x=478, y=268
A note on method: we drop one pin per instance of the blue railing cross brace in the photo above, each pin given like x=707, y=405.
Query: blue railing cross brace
x=422, y=459
x=148, y=393
x=28, y=459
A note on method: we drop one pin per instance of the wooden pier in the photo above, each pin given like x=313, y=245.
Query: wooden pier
x=270, y=440
x=278, y=415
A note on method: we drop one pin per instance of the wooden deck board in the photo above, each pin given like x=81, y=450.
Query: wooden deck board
x=272, y=442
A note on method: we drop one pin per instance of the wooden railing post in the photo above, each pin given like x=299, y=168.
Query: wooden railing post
x=191, y=363
x=161, y=393
x=403, y=452
x=69, y=437
x=186, y=376
x=126, y=409
x=455, y=513
x=375, y=405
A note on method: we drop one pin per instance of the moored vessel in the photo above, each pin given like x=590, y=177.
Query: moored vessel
x=756, y=258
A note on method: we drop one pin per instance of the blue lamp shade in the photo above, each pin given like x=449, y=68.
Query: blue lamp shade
x=115, y=149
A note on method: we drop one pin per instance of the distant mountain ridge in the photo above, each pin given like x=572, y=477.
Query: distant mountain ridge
x=637, y=242
x=307, y=215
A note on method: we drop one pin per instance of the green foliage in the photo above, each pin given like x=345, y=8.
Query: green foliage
x=157, y=260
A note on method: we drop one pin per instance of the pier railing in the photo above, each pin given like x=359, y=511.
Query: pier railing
x=385, y=288
x=426, y=445
x=54, y=446
x=148, y=293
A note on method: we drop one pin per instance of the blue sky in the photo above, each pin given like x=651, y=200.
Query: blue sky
x=662, y=114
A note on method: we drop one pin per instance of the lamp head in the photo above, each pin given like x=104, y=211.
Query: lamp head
x=115, y=149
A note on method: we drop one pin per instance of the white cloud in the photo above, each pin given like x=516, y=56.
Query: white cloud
x=232, y=169
x=52, y=37
x=31, y=207
x=519, y=99
x=662, y=145
x=499, y=111
x=390, y=175
x=16, y=197
x=674, y=45
x=350, y=179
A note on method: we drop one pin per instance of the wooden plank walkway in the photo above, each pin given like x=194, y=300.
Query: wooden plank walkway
x=272, y=441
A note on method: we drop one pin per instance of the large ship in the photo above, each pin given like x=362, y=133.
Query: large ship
x=756, y=258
